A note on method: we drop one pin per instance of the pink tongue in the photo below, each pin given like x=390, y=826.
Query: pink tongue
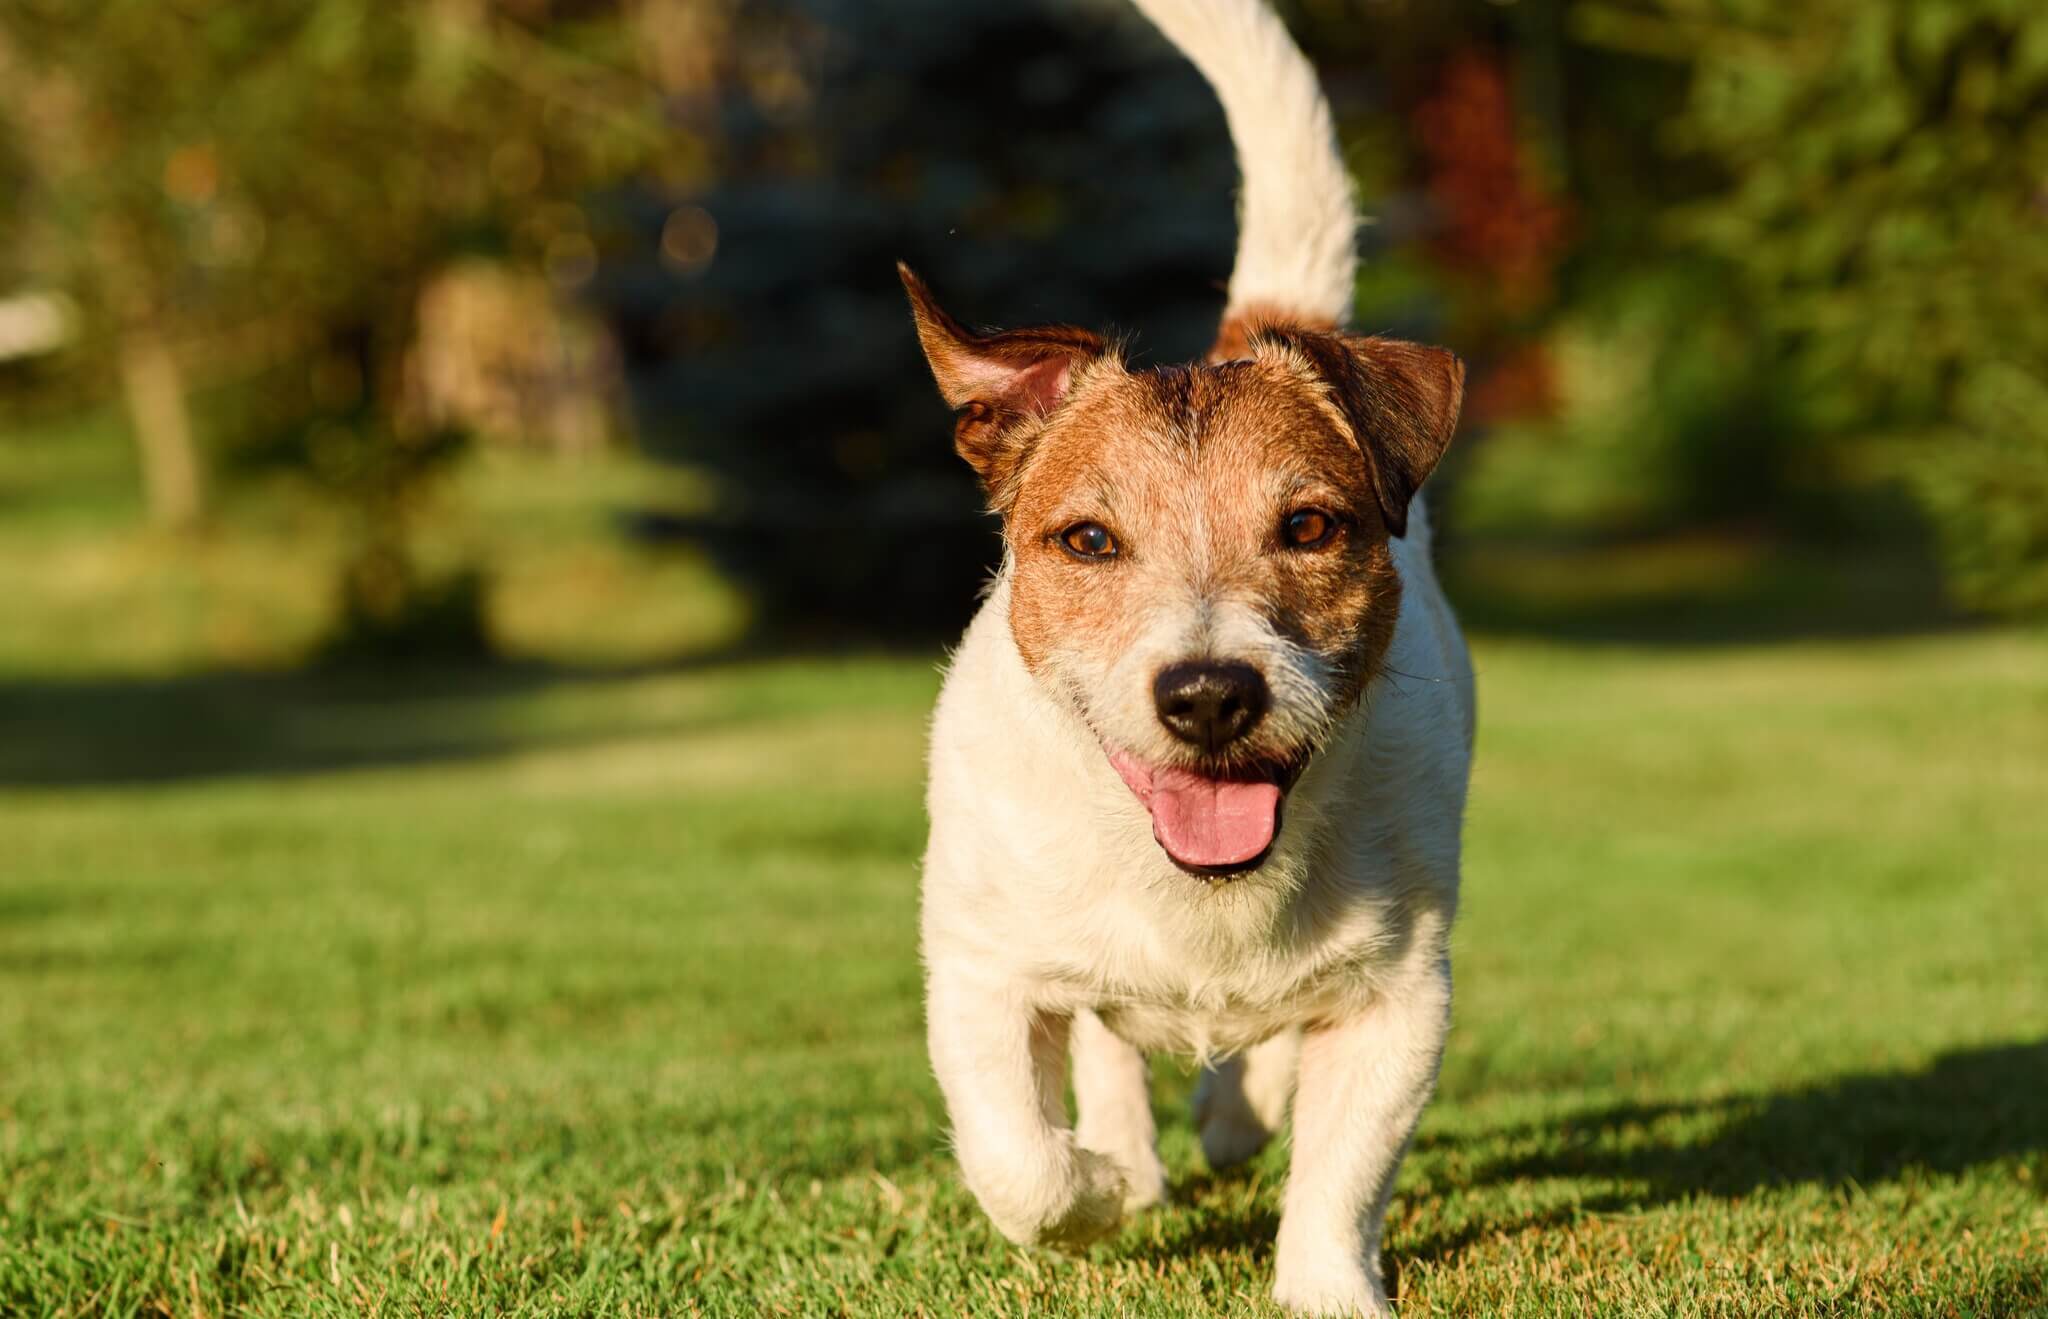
x=1202, y=821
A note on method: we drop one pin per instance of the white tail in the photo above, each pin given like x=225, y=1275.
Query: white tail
x=1298, y=225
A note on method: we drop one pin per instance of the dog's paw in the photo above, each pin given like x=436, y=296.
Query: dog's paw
x=1095, y=1204
x=1329, y=1287
x=1241, y=1102
x=1067, y=1205
x=1334, y=1300
x=1231, y=1135
x=1232, y=1130
x=1144, y=1178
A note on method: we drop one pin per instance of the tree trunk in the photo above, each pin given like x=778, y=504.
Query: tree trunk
x=155, y=389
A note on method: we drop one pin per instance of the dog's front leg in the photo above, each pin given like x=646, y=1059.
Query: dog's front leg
x=1002, y=1065
x=1362, y=1087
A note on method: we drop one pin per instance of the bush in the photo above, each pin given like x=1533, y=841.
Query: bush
x=1885, y=209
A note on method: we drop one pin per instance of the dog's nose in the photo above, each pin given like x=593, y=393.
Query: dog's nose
x=1210, y=703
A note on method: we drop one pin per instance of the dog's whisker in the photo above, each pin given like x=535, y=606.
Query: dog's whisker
x=1402, y=673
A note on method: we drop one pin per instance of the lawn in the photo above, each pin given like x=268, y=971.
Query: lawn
x=560, y=989
x=553, y=991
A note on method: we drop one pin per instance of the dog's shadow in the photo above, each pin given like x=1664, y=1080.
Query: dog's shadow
x=1237, y=1214
x=1969, y=1107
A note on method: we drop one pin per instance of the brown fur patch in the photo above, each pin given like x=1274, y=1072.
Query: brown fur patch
x=1240, y=325
x=1002, y=384
x=1194, y=469
x=1399, y=402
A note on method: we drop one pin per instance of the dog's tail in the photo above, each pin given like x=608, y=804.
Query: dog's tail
x=1297, y=228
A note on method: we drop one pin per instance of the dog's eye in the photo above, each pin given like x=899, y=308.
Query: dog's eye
x=1088, y=540
x=1306, y=528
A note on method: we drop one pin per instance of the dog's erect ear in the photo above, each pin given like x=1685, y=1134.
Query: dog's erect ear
x=996, y=382
x=1399, y=400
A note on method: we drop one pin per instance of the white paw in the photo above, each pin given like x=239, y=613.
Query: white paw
x=1235, y=1111
x=1144, y=1177
x=1333, y=1295
x=1094, y=1205
x=1328, y=1279
x=1231, y=1134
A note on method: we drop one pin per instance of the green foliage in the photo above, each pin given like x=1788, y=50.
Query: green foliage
x=1673, y=415
x=388, y=611
x=513, y=993
x=297, y=167
x=1985, y=481
x=266, y=188
x=1884, y=167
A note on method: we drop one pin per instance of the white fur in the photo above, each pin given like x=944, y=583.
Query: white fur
x=1298, y=229
x=1051, y=917
x=1053, y=924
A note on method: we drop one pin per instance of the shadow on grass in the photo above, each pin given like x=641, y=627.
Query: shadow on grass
x=1694, y=590
x=59, y=733
x=1233, y=1230
x=66, y=732
x=1970, y=1107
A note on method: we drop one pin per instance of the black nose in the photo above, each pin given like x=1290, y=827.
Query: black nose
x=1210, y=703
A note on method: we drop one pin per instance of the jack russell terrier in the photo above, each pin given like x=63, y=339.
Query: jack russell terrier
x=1199, y=765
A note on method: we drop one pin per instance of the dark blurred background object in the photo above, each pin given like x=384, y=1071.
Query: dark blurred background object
x=1039, y=162
x=394, y=304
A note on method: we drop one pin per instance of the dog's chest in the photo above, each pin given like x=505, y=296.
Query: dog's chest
x=1206, y=1001
x=1199, y=1031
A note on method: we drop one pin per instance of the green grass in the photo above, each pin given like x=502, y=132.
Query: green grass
x=548, y=989
x=86, y=588
x=547, y=993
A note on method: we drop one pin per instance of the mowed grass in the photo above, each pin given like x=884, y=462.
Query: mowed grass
x=541, y=993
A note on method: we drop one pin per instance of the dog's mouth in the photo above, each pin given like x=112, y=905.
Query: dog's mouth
x=1216, y=824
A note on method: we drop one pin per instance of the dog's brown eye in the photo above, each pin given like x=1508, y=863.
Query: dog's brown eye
x=1088, y=540
x=1307, y=528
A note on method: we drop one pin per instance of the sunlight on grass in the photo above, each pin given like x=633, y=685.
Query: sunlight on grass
x=601, y=994
x=84, y=588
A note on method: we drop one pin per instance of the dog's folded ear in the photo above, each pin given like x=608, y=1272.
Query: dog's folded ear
x=998, y=383
x=1398, y=400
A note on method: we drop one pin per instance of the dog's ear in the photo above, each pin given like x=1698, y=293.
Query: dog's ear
x=998, y=383
x=1398, y=400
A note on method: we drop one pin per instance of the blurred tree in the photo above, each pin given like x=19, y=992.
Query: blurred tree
x=51, y=123
x=258, y=192
x=1884, y=205
x=1455, y=123
x=1080, y=170
x=1046, y=160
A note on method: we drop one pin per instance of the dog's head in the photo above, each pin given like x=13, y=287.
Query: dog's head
x=1198, y=555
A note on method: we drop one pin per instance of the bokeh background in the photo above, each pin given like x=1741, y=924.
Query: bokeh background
x=566, y=331
x=477, y=534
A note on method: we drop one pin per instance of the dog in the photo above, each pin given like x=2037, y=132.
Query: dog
x=1198, y=768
